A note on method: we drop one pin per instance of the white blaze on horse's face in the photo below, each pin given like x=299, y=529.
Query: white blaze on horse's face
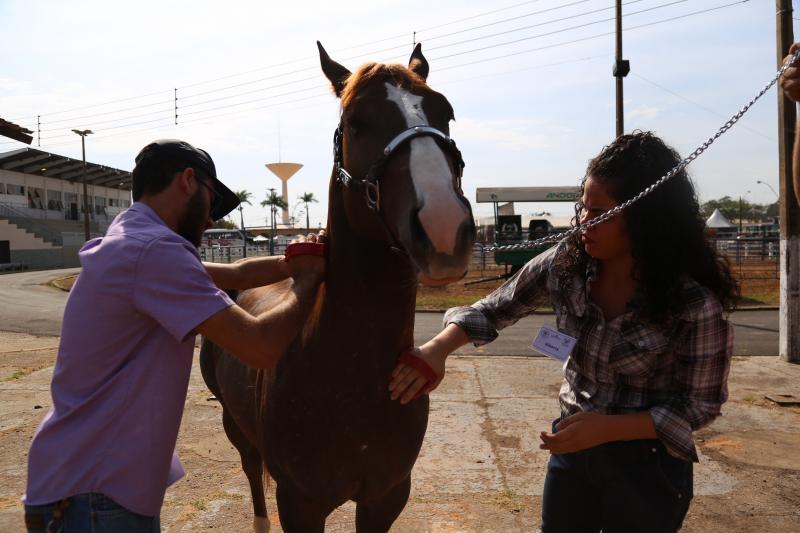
x=441, y=211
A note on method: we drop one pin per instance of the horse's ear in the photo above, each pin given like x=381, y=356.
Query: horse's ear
x=335, y=72
x=418, y=64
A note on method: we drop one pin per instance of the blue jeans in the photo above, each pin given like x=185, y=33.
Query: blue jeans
x=87, y=513
x=617, y=487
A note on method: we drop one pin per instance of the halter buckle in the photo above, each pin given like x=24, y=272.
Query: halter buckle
x=372, y=193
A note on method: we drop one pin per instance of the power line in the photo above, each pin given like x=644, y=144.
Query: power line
x=95, y=122
x=563, y=43
x=701, y=106
x=308, y=57
x=546, y=34
x=108, y=112
x=441, y=69
x=477, y=16
x=511, y=19
x=97, y=105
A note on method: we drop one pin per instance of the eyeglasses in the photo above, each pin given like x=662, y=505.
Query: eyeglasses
x=216, y=198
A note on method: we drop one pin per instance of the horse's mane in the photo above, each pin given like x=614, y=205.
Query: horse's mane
x=377, y=72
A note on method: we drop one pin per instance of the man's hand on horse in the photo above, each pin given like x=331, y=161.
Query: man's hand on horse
x=308, y=265
x=790, y=80
x=408, y=383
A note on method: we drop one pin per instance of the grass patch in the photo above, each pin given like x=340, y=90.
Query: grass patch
x=444, y=301
x=65, y=283
x=199, y=505
x=760, y=298
x=18, y=373
x=508, y=500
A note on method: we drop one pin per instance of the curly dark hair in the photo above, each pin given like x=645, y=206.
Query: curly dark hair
x=666, y=229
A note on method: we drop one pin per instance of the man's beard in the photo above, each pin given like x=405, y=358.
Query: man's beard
x=193, y=223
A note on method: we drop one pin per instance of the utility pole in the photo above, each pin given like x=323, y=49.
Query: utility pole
x=789, y=315
x=272, y=210
x=740, y=213
x=83, y=134
x=621, y=69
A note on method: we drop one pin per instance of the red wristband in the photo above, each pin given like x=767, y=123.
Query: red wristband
x=304, y=248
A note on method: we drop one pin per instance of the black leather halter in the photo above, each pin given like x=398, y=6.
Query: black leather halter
x=371, y=181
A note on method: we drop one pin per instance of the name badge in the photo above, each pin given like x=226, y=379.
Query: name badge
x=553, y=343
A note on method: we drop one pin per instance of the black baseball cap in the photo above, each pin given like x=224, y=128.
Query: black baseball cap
x=171, y=152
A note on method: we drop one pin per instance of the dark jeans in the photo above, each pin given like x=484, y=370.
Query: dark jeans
x=87, y=513
x=633, y=486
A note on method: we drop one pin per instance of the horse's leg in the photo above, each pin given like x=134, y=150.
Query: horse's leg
x=298, y=513
x=379, y=516
x=253, y=467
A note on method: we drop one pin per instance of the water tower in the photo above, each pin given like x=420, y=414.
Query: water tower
x=284, y=171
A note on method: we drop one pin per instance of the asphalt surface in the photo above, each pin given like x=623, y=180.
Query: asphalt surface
x=29, y=305
x=755, y=333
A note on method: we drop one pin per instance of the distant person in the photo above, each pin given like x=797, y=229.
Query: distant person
x=790, y=82
x=103, y=456
x=640, y=307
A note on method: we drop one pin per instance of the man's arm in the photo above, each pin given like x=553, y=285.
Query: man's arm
x=248, y=273
x=259, y=341
x=256, y=271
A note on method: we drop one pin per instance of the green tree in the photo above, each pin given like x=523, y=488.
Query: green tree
x=224, y=223
x=244, y=198
x=735, y=208
x=307, y=198
x=275, y=202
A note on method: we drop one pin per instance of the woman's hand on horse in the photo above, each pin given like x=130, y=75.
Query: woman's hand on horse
x=407, y=383
x=790, y=80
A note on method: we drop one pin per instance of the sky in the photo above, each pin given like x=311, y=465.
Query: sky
x=530, y=83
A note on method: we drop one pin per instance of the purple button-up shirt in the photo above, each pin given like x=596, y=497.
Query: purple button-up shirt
x=123, y=365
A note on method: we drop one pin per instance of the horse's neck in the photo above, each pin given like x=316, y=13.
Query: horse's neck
x=368, y=280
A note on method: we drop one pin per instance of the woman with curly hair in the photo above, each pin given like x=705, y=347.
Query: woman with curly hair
x=645, y=298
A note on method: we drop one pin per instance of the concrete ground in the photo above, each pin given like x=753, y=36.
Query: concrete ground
x=480, y=468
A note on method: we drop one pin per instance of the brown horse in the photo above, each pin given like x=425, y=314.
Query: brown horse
x=322, y=421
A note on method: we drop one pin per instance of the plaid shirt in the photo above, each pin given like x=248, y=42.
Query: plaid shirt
x=677, y=370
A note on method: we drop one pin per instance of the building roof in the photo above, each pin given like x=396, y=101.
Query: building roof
x=16, y=132
x=40, y=163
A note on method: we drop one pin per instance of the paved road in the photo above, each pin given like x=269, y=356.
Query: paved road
x=28, y=305
x=755, y=333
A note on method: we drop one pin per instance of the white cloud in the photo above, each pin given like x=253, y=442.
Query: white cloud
x=643, y=111
x=508, y=134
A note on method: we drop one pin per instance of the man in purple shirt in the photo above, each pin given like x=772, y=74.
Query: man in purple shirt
x=103, y=456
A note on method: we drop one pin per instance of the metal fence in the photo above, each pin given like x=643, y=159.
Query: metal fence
x=230, y=254
x=750, y=257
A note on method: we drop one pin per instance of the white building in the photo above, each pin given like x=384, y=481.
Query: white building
x=41, y=206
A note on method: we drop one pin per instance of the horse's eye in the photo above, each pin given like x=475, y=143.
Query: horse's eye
x=355, y=126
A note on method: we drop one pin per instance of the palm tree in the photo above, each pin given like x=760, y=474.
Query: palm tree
x=307, y=198
x=275, y=202
x=244, y=198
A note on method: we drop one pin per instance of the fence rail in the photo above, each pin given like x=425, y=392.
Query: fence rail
x=750, y=257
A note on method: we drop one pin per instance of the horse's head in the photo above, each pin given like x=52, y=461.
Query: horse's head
x=400, y=171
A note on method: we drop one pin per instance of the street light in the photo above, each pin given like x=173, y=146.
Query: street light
x=83, y=134
x=770, y=188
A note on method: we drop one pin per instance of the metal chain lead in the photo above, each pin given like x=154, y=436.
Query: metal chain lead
x=680, y=166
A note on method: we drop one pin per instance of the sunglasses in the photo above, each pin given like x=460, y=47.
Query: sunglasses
x=216, y=198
